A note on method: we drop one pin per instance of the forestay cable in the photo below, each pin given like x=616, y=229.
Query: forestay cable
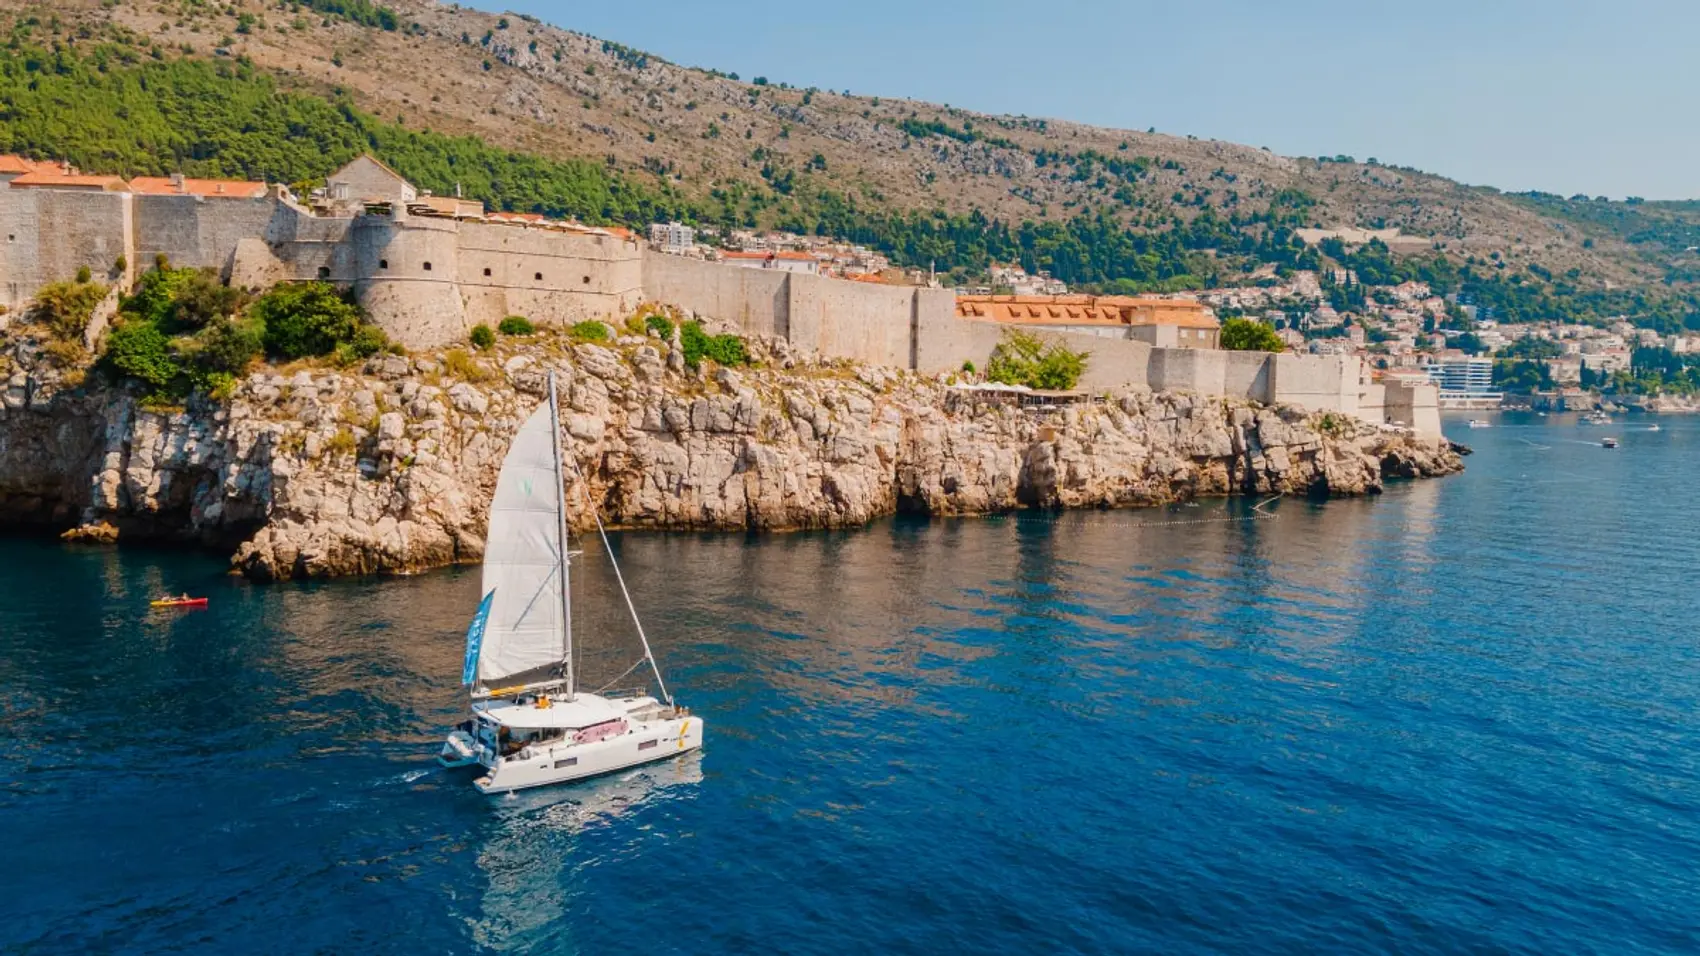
x=648, y=655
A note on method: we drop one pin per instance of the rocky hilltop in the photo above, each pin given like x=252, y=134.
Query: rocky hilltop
x=389, y=467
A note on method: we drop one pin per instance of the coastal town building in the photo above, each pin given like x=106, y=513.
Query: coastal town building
x=799, y=262
x=1018, y=282
x=675, y=239
x=1465, y=382
x=366, y=180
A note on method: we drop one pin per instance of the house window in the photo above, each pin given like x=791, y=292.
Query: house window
x=427, y=267
x=569, y=762
x=383, y=263
x=538, y=277
x=648, y=745
x=324, y=272
x=486, y=273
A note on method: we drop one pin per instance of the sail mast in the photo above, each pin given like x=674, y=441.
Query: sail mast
x=561, y=537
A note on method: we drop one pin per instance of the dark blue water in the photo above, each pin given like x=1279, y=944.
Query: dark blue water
x=1456, y=718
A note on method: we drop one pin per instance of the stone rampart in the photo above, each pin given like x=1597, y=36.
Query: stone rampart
x=197, y=231
x=546, y=275
x=428, y=280
x=49, y=234
x=756, y=300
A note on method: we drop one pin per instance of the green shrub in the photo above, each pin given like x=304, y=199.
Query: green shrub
x=228, y=346
x=199, y=298
x=136, y=348
x=1023, y=358
x=723, y=349
x=309, y=318
x=84, y=276
x=516, y=325
x=660, y=325
x=156, y=292
x=482, y=337
x=1250, y=335
x=457, y=363
x=589, y=330
x=368, y=341
x=66, y=307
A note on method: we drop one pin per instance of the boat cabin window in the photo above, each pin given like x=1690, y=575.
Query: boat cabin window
x=648, y=744
x=569, y=762
x=513, y=741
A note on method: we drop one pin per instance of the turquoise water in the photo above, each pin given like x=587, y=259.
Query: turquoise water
x=1455, y=718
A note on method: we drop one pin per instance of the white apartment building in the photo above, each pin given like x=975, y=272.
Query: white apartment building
x=673, y=238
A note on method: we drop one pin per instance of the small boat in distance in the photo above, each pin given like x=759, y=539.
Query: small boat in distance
x=181, y=600
x=1596, y=417
x=1480, y=423
x=1654, y=428
x=531, y=725
x=1608, y=443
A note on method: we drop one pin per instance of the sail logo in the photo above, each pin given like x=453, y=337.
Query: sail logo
x=475, y=638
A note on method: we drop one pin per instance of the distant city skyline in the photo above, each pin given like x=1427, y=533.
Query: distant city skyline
x=1564, y=96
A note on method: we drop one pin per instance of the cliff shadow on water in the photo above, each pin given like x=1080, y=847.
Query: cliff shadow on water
x=388, y=467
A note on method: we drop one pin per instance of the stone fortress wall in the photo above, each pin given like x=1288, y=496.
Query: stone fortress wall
x=918, y=329
x=428, y=279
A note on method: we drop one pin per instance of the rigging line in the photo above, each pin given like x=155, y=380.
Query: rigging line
x=628, y=672
x=643, y=638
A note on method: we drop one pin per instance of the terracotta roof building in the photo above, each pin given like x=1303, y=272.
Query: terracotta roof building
x=783, y=261
x=18, y=165
x=56, y=178
x=1169, y=323
x=179, y=185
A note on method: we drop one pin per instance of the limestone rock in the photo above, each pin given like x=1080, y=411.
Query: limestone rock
x=391, y=470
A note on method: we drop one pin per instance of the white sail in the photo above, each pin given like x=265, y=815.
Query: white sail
x=526, y=629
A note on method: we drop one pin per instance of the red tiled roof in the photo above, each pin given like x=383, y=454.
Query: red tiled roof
x=43, y=177
x=227, y=188
x=14, y=165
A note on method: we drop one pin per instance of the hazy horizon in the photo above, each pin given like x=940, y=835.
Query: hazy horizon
x=1486, y=96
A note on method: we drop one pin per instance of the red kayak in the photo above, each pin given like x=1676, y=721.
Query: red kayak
x=179, y=602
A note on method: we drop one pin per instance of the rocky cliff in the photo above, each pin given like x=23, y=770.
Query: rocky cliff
x=389, y=468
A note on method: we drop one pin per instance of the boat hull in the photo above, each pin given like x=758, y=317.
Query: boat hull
x=566, y=762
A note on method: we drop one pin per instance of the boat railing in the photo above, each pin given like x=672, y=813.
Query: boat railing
x=623, y=693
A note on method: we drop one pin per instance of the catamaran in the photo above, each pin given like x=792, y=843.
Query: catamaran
x=531, y=726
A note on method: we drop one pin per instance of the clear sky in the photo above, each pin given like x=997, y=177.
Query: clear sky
x=1567, y=96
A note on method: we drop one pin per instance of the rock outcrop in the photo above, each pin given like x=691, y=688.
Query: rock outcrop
x=389, y=468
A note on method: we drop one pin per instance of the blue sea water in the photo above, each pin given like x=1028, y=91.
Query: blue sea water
x=1456, y=718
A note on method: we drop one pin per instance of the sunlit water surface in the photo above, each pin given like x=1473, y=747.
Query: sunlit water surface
x=1455, y=718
